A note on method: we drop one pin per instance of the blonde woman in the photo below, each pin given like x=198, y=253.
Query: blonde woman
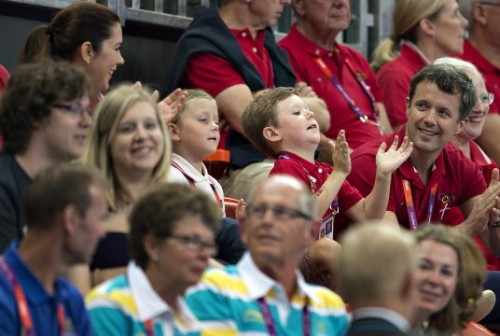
x=129, y=144
x=425, y=30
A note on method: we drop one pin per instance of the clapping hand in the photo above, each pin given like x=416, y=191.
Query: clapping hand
x=390, y=160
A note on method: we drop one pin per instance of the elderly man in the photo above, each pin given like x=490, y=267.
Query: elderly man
x=483, y=49
x=65, y=208
x=376, y=271
x=337, y=73
x=44, y=118
x=264, y=293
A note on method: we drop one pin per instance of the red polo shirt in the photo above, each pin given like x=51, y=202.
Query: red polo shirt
x=302, y=53
x=291, y=164
x=394, y=78
x=458, y=180
x=456, y=217
x=490, y=73
x=214, y=74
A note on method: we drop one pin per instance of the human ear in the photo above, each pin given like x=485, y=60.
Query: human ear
x=86, y=52
x=173, y=132
x=271, y=134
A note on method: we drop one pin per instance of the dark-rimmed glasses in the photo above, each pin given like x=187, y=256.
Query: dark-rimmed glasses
x=195, y=243
x=74, y=108
x=280, y=212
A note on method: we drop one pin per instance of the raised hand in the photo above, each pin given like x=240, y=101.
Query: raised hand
x=340, y=157
x=390, y=160
x=171, y=105
x=483, y=212
x=304, y=90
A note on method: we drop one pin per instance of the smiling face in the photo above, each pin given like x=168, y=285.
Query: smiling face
x=103, y=64
x=449, y=29
x=297, y=129
x=63, y=132
x=436, y=276
x=137, y=143
x=196, y=134
x=324, y=16
x=473, y=125
x=432, y=118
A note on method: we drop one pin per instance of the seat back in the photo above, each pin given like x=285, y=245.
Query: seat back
x=218, y=163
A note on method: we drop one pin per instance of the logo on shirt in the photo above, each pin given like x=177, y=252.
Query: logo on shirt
x=253, y=316
x=447, y=202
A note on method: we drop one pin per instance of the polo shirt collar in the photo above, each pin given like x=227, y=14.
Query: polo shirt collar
x=149, y=303
x=479, y=60
x=33, y=289
x=312, y=48
x=411, y=51
x=259, y=284
x=407, y=170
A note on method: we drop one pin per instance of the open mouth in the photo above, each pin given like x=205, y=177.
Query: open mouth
x=427, y=132
x=313, y=126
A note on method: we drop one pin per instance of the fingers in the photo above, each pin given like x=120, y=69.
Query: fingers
x=395, y=143
x=382, y=147
x=494, y=177
x=155, y=95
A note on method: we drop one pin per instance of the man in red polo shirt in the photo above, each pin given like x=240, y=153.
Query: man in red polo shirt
x=338, y=74
x=232, y=54
x=437, y=176
x=483, y=50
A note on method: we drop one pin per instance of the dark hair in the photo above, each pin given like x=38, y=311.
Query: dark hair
x=55, y=189
x=72, y=26
x=32, y=89
x=261, y=113
x=159, y=210
x=450, y=80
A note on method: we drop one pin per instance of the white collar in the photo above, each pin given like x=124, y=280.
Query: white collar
x=149, y=303
x=259, y=284
x=382, y=313
x=188, y=168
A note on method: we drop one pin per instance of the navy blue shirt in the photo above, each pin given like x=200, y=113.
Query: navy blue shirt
x=42, y=305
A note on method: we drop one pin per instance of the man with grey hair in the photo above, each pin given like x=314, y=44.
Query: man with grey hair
x=376, y=272
x=264, y=293
x=437, y=176
x=482, y=49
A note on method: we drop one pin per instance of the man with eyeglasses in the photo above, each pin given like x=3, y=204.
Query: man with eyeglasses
x=483, y=49
x=44, y=118
x=264, y=293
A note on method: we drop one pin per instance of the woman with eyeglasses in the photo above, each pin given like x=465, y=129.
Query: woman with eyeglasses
x=172, y=230
x=464, y=140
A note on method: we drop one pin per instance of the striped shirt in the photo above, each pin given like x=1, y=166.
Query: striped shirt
x=226, y=303
x=122, y=305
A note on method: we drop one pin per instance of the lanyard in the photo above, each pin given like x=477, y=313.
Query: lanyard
x=22, y=304
x=366, y=89
x=192, y=182
x=268, y=319
x=412, y=217
x=149, y=327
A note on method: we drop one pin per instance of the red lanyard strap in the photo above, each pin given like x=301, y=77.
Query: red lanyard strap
x=22, y=304
x=410, y=208
x=149, y=328
x=268, y=319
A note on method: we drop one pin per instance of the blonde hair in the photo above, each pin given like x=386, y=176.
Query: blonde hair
x=106, y=120
x=405, y=19
x=192, y=95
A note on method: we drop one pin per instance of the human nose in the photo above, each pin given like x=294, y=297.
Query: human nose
x=121, y=60
x=430, y=117
x=310, y=114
